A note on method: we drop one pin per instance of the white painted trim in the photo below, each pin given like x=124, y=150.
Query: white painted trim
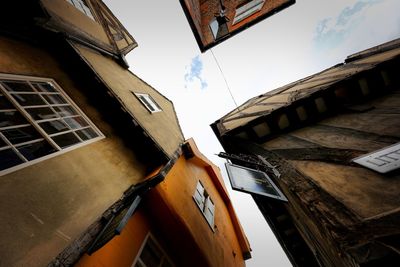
x=151, y=101
x=150, y=236
x=35, y=124
x=203, y=208
x=247, y=10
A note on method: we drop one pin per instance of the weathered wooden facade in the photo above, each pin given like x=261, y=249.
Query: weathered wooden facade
x=214, y=21
x=309, y=136
x=77, y=129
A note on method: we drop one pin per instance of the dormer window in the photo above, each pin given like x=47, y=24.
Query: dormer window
x=82, y=6
x=148, y=102
x=247, y=9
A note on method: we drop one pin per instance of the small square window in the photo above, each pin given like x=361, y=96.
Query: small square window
x=205, y=203
x=148, y=102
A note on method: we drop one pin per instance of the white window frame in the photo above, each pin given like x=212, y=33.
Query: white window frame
x=164, y=255
x=148, y=102
x=247, y=10
x=35, y=123
x=82, y=7
x=204, y=202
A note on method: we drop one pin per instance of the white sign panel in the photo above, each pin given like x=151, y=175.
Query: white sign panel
x=382, y=161
x=253, y=181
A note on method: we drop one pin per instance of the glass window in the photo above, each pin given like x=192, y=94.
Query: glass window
x=66, y=140
x=148, y=102
x=11, y=118
x=44, y=87
x=36, y=150
x=8, y=159
x=29, y=99
x=82, y=7
x=41, y=113
x=55, y=126
x=205, y=203
x=55, y=99
x=17, y=86
x=37, y=119
x=21, y=134
x=65, y=111
x=152, y=255
x=247, y=9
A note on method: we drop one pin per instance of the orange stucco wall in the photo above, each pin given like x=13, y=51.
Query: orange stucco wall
x=219, y=247
x=170, y=213
x=121, y=251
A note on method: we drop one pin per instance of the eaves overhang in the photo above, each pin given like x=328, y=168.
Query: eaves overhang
x=195, y=156
x=312, y=98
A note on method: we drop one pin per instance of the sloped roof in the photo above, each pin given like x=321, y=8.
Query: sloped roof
x=216, y=176
x=162, y=127
x=264, y=104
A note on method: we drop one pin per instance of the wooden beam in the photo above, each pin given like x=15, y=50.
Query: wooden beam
x=325, y=154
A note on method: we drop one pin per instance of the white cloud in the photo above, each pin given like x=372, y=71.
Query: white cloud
x=355, y=27
x=193, y=74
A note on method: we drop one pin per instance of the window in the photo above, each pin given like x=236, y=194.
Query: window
x=148, y=102
x=205, y=203
x=248, y=9
x=37, y=119
x=82, y=7
x=152, y=255
x=382, y=161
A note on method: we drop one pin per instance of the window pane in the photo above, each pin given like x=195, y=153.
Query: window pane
x=29, y=99
x=10, y=118
x=17, y=86
x=41, y=113
x=36, y=150
x=44, y=87
x=76, y=122
x=4, y=103
x=199, y=199
x=66, y=140
x=55, y=126
x=55, y=99
x=86, y=134
x=147, y=103
x=151, y=255
x=8, y=159
x=65, y=111
x=21, y=135
x=2, y=143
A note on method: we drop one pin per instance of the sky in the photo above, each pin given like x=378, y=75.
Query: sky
x=303, y=39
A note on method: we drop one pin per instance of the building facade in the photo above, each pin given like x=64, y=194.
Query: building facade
x=187, y=220
x=77, y=129
x=214, y=21
x=330, y=144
